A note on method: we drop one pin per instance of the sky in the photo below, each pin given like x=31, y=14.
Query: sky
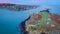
x=33, y=2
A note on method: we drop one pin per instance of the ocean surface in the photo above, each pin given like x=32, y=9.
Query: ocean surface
x=10, y=20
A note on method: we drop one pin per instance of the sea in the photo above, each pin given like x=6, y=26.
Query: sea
x=10, y=20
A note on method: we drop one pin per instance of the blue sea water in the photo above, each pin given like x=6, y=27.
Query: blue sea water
x=10, y=20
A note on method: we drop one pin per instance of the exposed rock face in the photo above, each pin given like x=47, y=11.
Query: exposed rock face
x=23, y=26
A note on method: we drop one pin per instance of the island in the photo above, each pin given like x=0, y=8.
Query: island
x=42, y=22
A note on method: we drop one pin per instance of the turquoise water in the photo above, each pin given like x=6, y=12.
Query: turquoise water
x=10, y=20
